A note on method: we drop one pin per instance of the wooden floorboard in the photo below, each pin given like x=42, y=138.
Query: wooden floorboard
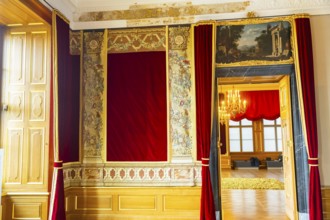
x=253, y=204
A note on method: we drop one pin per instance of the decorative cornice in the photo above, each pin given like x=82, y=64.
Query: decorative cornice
x=100, y=14
x=160, y=11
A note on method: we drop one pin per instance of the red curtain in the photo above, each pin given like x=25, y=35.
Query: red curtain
x=136, y=107
x=67, y=99
x=68, y=91
x=260, y=105
x=57, y=200
x=56, y=204
x=203, y=76
x=305, y=56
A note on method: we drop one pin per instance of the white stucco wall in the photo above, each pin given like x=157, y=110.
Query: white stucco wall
x=321, y=52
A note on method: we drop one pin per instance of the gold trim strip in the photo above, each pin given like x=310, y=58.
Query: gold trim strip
x=258, y=20
x=315, y=158
x=39, y=32
x=55, y=86
x=168, y=101
x=213, y=88
x=104, y=62
x=303, y=15
x=203, y=158
x=28, y=193
x=193, y=93
x=81, y=148
x=18, y=33
x=206, y=22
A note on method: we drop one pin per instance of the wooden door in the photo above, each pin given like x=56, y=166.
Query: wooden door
x=288, y=149
x=25, y=109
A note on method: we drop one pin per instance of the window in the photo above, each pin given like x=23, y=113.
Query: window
x=241, y=136
x=272, y=135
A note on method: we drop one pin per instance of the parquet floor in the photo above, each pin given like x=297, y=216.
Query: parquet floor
x=253, y=204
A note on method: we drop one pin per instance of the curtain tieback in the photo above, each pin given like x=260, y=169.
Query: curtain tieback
x=205, y=161
x=58, y=164
x=313, y=161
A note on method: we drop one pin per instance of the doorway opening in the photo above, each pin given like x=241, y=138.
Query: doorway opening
x=295, y=163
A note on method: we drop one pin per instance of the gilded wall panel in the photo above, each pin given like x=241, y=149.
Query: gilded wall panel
x=96, y=202
x=137, y=202
x=171, y=201
x=136, y=40
x=29, y=211
x=25, y=206
x=131, y=203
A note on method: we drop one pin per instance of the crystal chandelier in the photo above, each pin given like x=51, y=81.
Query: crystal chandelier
x=223, y=115
x=231, y=106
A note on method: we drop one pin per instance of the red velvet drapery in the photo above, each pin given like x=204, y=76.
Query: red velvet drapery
x=68, y=79
x=67, y=109
x=260, y=105
x=56, y=206
x=203, y=76
x=305, y=56
x=136, y=107
x=68, y=94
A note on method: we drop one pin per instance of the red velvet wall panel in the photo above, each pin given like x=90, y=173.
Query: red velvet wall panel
x=136, y=107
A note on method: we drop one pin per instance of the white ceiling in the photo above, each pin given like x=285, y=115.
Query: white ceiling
x=93, y=14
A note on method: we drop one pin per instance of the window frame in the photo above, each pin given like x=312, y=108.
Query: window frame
x=240, y=126
x=274, y=126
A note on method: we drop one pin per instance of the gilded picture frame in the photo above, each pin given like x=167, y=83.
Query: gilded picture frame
x=254, y=41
